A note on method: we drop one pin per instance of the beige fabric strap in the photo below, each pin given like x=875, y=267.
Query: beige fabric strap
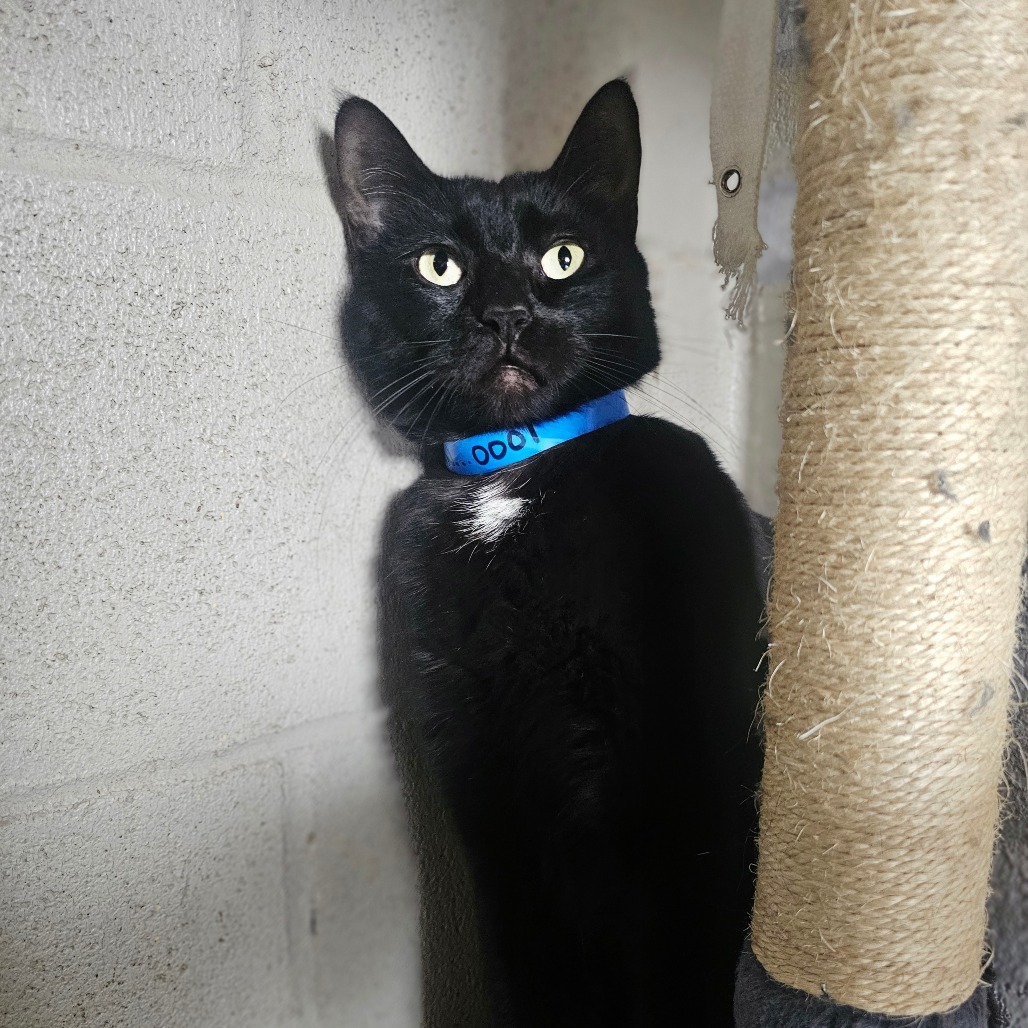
x=738, y=130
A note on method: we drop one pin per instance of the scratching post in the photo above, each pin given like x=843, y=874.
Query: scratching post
x=903, y=488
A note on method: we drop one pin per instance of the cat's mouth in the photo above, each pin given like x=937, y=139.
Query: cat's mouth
x=513, y=377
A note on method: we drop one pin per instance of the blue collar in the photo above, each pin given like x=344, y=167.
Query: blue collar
x=490, y=451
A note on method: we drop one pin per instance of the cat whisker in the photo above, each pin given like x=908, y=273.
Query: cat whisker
x=604, y=376
x=691, y=344
x=427, y=388
x=425, y=342
x=678, y=395
x=598, y=377
x=694, y=344
x=711, y=429
x=443, y=395
x=360, y=411
x=425, y=366
x=665, y=386
x=419, y=364
x=313, y=378
x=380, y=408
x=424, y=407
x=299, y=328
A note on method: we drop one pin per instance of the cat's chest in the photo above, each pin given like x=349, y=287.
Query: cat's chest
x=488, y=510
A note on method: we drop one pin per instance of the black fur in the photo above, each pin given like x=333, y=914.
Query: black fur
x=584, y=684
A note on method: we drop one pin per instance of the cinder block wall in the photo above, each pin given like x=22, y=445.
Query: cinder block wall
x=199, y=820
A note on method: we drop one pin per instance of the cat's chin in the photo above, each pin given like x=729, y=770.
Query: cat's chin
x=514, y=380
x=513, y=393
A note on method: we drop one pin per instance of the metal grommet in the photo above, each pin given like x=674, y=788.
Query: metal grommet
x=731, y=182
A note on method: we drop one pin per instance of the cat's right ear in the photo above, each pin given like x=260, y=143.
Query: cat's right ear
x=376, y=166
x=600, y=160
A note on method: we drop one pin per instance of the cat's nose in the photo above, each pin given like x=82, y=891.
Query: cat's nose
x=506, y=322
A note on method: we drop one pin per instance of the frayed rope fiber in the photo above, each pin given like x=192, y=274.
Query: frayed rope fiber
x=903, y=487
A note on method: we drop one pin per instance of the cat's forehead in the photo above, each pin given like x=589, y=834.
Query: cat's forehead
x=517, y=211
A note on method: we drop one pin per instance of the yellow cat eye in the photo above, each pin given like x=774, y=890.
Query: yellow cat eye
x=562, y=260
x=439, y=268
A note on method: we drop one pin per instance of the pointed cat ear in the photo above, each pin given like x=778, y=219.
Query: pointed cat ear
x=601, y=158
x=376, y=165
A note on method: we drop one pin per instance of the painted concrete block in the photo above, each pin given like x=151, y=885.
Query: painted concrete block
x=163, y=78
x=193, y=490
x=442, y=56
x=154, y=903
x=350, y=879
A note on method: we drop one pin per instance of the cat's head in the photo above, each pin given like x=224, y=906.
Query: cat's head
x=476, y=305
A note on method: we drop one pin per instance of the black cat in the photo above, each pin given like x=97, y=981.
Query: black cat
x=576, y=633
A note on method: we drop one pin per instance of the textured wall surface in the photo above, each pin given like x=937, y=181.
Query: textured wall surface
x=199, y=820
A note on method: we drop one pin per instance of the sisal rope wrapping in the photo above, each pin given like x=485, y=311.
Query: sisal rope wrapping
x=903, y=487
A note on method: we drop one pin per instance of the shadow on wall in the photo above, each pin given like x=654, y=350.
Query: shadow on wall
x=453, y=992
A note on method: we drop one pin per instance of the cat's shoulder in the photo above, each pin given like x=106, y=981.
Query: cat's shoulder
x=664, y=451
x=652, y=433
x=660, y=466
x=670, y=478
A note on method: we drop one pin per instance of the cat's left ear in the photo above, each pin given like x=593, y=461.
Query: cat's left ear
x=600, y=161
x=376, y=168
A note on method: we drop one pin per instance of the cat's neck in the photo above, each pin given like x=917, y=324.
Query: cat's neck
x=490, y=451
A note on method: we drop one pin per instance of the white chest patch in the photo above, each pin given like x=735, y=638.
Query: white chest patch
x=490, y=511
